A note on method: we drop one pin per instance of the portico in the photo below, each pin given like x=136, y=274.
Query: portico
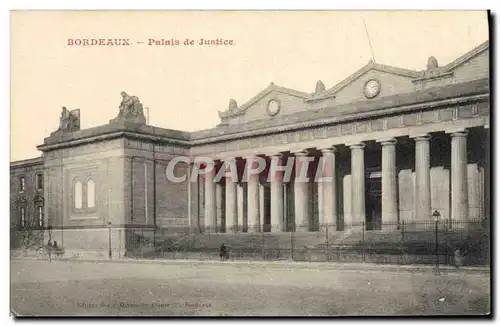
x=384, y=181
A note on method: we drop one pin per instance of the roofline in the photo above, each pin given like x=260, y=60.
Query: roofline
x=358, y=73
x=272, y=87
x=220, y=134
x=416, y=75
x=109, y=136
x=27, y=162
x=467, y=56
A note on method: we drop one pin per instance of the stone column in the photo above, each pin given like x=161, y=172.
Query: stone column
x=210, y=201
x=459, y=191
x=422, y=179
x=321, y=214
x=277, y=197
x=389, y=184
x=253, y=216
x=240, y=194
x=218, y=203
x=301, y=193
x=329, y=189
x=231, y=208
x=262, y=206
x=358, y=214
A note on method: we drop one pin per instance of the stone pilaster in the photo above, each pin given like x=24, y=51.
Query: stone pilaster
x=358, y=210
x=301, y=193
x=253, y=216
x=459, y=191
x=389, y=184
x=277, y=197
x=422, y=178
x=210, y=201
x=329, y=189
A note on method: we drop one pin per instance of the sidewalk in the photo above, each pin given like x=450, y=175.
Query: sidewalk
x=286, y=264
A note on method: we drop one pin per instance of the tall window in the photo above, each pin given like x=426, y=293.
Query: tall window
x=90, y=194
x=22, y=217
x=22, y=184
x=77, y=194
x=39, y=181
x=40, y=215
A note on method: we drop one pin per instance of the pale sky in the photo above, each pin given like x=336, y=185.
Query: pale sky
x=184, y=87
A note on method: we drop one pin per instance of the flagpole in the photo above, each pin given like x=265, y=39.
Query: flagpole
x=369, y=41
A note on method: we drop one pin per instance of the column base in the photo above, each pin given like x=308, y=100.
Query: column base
x=302, y=228
x=276, y=228
x=390, y=226
x=232, y=229
x=254, y=229
x=330, y=227
x=210, y=230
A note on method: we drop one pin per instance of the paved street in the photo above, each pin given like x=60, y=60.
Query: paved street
x=194, y=289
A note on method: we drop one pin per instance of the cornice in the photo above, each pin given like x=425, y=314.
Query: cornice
x=322, y=121
x=110, y=136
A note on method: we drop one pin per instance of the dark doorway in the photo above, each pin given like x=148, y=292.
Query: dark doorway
x=267, y=209
x=373, y=203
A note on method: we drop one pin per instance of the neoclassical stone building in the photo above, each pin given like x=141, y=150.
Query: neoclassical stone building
x=398, y=143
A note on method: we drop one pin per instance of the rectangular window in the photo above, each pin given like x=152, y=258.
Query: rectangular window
x=22, y=217
x=22, y=184
x=39, y=181
x=40, y=216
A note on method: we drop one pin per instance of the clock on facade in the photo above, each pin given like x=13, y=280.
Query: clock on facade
x=273, y=107
x=372, y=88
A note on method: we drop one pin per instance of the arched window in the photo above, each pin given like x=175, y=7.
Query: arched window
x=77, y=195
x=90, y=193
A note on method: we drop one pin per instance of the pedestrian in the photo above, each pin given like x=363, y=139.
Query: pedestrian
x=458, y=259
x=223, y=252
x=55, y=244
x=49, y=244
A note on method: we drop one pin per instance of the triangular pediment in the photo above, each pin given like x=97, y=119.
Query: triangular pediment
x=480, y=50
x=289, y=101
x=391, y=80
x=472, y=65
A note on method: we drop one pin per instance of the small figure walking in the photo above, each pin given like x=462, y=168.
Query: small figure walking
x=458, y=259
x=223, y=252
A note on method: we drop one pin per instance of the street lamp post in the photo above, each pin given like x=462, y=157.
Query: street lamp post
x=109, y=229
x=436, y=216
x=50, y=232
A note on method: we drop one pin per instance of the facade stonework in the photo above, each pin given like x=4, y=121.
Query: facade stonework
x=416, y=143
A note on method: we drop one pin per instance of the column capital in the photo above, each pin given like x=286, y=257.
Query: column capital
x=300, y=153
x=457, y=131
x=249, y=157
x=356, y=145
x=462, y=133
x=421, y=137
x=387, y=141
x=278, y=155
x=228, y=159
x=328, y=150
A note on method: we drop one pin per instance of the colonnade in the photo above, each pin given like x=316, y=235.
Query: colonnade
x=327, y=191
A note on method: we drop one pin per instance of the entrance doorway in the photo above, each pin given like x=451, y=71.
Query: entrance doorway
x=373, y=202
x=266, y=218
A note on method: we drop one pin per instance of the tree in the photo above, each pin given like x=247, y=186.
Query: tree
x=30, y=236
